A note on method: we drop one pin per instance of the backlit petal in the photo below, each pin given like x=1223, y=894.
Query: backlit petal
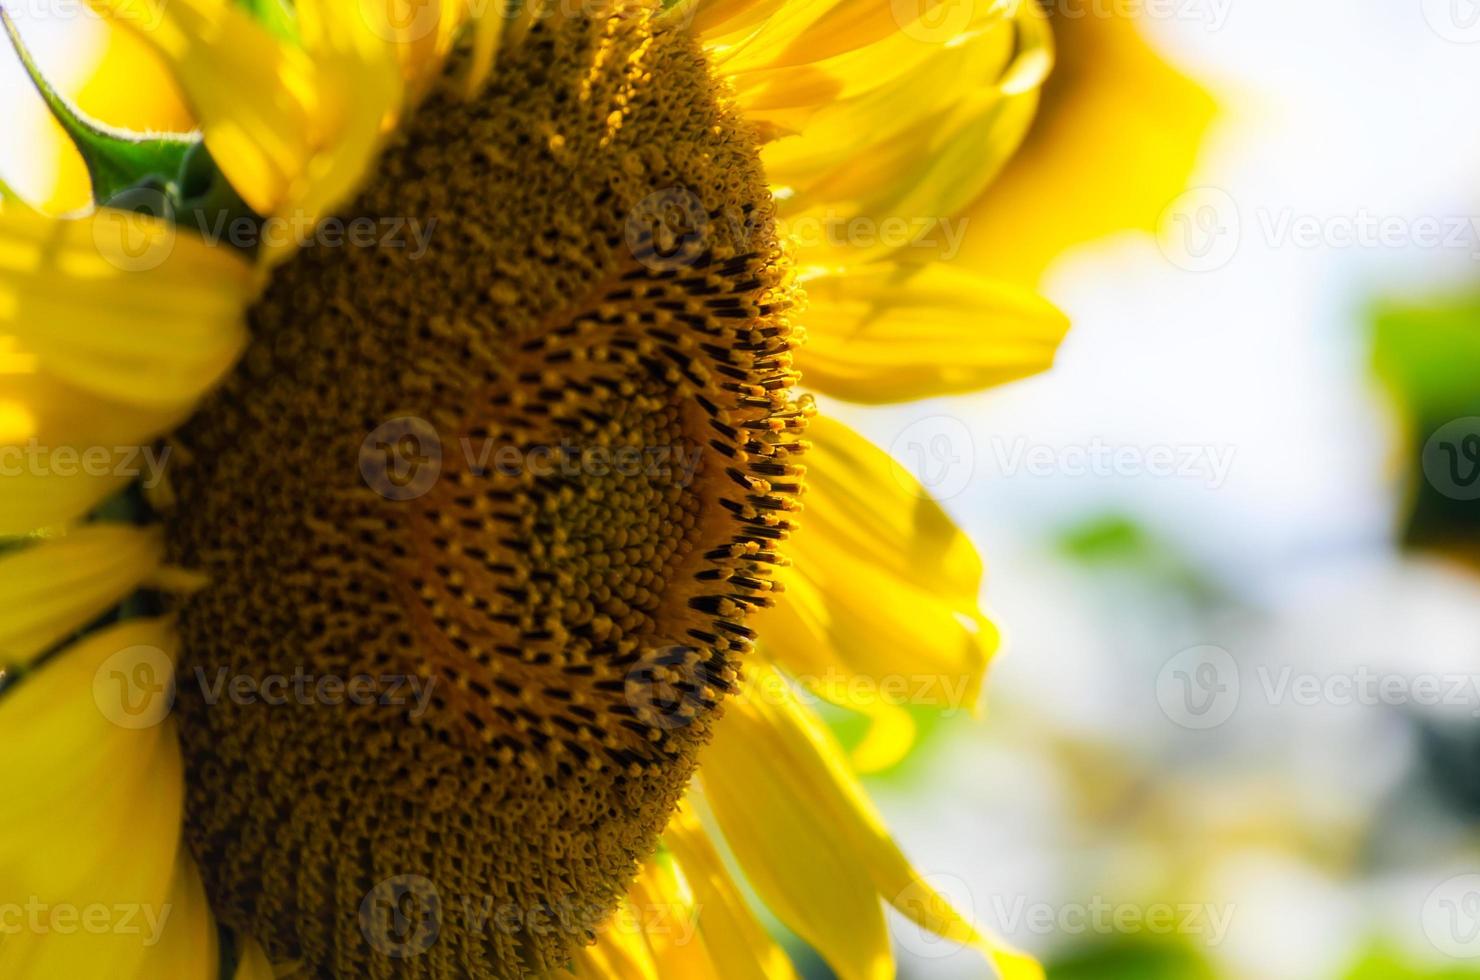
x=883, y=584
x=887, y=333
x=760, y=776
x=816, y=816
x=734, y=936
x=1115, y=140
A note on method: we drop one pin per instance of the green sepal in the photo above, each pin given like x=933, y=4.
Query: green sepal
x=115, y=160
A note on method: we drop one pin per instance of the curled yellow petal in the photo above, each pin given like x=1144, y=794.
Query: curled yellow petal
x=253, y=94
x=889, y=333
x=1116, y=137
x=890, y=736
x=816, y=818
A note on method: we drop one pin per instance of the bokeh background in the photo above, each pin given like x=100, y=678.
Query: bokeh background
x=1233, y=538
x=1235, y=730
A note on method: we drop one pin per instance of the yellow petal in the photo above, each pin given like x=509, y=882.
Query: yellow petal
x=718, y=22
x=188, y=946
x=63, y=449
x=734, y=936
x=122, y=304
x=760, y=777
x=664, y=911
x=883, y=584
x=890, y=736
x=896, y=131
x=359, y=85
x=618, y=954
x=652, y=934
x=131, y=88
x=253, y=94
x=52, y=588
x=253, y=963
x=886, y=333
x=1116, y=138
x=111, y=327
x=92, y=806
x=784, y=795
x=292, y=126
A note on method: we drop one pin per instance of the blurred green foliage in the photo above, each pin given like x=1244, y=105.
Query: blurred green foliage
x=1428, y=357
x=1127, y=959
x=1386, y=964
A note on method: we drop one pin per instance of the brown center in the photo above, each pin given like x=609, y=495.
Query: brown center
x=484, y=511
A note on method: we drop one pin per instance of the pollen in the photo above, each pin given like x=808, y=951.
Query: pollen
x=507, y=501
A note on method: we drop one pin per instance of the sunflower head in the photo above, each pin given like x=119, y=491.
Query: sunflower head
x=540, y=469
x=476, y=487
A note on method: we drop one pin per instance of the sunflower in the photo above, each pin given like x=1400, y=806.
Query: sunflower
x=528, y=437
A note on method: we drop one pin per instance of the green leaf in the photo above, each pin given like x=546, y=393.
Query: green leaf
x=116, y=161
